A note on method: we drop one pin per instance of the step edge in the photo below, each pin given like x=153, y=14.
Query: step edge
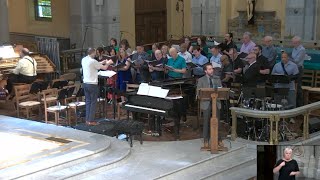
x=200, y=162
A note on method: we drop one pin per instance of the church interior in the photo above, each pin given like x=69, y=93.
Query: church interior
x=160, y=89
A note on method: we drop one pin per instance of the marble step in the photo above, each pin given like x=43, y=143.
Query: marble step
x=244, y=173
x=243, y=170
x=113, y=157
x=216, y=167
x=83, y=147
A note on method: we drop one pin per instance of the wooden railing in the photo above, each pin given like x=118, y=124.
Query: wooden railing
x=274, y=117
x=71, y=56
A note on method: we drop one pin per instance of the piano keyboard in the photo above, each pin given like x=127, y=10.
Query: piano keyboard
x=145, y=108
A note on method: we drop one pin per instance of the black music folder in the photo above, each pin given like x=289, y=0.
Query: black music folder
x=192, y=65
x=70, y=91
x=118, y=66
x=113, y=58
x=60, y=84
x=275, y=78
x=154, y=62
x=38, y=86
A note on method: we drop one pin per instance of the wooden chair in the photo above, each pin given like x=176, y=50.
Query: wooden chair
x=77, y=104
x=24, y=100
x=70, y=77
x=317, y=79
x=55, y=109
x=308, y=78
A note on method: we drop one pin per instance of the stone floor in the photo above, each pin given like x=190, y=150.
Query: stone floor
x=83, y=155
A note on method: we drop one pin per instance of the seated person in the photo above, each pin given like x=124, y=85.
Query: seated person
x=157, y=71
x=176, y=65
x=198, y=60
x=208, y=81
x=140, y=67
x=25, y=72
x=289, y=68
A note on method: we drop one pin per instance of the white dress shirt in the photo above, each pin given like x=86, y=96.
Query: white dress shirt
x=26, y=66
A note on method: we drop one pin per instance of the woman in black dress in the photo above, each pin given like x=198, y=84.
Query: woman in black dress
x=287, y=167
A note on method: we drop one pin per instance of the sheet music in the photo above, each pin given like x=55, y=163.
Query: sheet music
x=154, y=91
x=7, y=52
x=107, y=73
x=143, y=89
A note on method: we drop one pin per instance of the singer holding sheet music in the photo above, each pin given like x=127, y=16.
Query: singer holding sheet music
x=90, y=68
x=289, y=68
x=199, y=60
x=157, y=69
x=287, y=167
x=176, y=65
x=209, y=81
x=124, y=73
x=140, y=68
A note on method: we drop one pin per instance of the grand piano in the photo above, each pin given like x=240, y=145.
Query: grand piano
x=174, y=106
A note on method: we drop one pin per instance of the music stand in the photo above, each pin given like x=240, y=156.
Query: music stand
x=80, y=92
x=38, y=87
x=63, y=93
x=248, y=92
x=70, y=91
x=279, y=79
x=60, y=84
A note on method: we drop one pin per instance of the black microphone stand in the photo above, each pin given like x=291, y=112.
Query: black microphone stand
x=84, y=39
x=114, y=93
x=85, y=35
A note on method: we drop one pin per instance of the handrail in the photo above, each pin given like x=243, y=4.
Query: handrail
x=274, y=117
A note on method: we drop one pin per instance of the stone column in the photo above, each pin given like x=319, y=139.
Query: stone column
x=4, y=22
x=99, y=18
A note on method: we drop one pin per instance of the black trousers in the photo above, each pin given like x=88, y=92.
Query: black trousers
x=14, y=78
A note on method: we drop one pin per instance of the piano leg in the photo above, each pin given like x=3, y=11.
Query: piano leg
x=177, y=127
x=158, y=125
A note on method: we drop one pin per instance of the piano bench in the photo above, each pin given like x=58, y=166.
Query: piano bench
x=130, y=128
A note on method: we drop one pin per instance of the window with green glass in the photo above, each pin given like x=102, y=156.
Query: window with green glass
x=43, y=9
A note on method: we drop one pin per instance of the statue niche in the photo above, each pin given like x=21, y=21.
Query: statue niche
x=265, y=23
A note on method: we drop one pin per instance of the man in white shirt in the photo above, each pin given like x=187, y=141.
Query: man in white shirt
x=25, y=71
x=90, y=69
x=184, y=53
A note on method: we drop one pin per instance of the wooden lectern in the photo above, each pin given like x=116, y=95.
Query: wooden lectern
x=213, y=95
